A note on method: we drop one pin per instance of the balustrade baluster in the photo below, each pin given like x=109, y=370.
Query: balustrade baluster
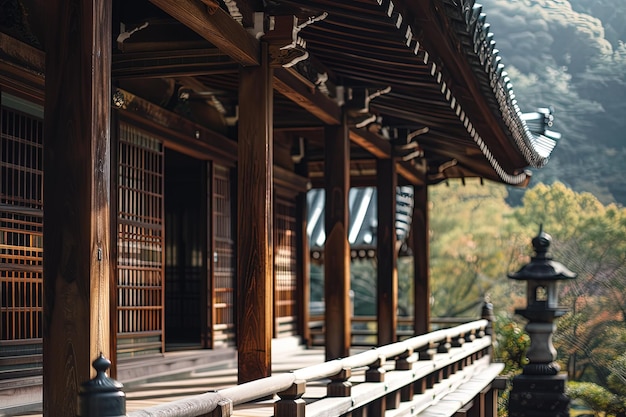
x=405, y=362
x=427, y=352
x=376, y=373
x=444, y=345
x=339, y=385
x=224, y=409
x=291, y=403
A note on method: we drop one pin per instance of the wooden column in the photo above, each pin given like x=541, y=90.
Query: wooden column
x=421, y=256
x=387, y=283
x=337, y=249
x=303, y=265
x=76, y=198
x=303, y=257
x=254, y=221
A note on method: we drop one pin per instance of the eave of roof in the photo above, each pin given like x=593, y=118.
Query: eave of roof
x=385, y=43
x=439, y=57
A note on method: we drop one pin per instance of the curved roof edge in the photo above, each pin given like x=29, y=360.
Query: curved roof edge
x=528, y=131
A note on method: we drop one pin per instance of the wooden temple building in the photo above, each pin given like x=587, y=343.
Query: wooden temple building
x=156, y=156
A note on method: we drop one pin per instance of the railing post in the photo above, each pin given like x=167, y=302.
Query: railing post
x=427, y=352
x=291, y=403
x=404, y=364
x=101, y=396
x=487, y=314
x=376, y=373
x=224, y=408
x=444, y=345
x=339, y=385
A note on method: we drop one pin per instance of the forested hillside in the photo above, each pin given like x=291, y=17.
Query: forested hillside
x=571, y=55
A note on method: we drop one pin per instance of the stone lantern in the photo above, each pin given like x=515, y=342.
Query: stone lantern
x=540, y=390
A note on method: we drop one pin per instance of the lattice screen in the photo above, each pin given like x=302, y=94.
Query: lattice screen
x=224, y=296
x=285, y=267
x=21, y=243
x=140, y=242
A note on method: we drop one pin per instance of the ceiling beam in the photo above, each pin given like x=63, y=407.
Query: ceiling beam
x=167, y=63
x=371, y=142
x=217, y=27
x=303, y=92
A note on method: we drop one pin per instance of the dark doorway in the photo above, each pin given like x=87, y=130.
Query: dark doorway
x=185, y=250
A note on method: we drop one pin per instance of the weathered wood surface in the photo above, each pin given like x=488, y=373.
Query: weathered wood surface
x=421, y=255
x=458, y=389
x=217, y=27
x=290, y=84
x=387, y=272
x=336, y=247
x=254, y=219
x=76, y=197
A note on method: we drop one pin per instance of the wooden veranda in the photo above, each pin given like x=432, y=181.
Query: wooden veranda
x=156, y=157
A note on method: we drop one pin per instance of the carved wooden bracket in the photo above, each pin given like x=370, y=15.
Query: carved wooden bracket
x=286, y=47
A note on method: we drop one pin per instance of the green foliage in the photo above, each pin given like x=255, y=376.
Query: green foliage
x=570, y=54
x=590, y=239
x=473, y=245
x=617, y=378
x=599, y=399
x=472, y=223
x=511, y=344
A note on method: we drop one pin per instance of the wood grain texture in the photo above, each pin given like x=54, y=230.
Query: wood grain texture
x=387, y=271
x=76, y=197
x=254, y=219
x=291, y=85
x=337, y=248
x=421, y=254
x=218, y=28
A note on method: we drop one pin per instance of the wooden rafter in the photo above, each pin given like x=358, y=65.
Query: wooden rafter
x=217, y=27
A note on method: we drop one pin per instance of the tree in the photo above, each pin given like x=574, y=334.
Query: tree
x=473, y=245
x=570, y=55
x=590, y=239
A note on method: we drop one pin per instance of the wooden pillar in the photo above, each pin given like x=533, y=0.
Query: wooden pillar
x=254, y=221
x=421, y=256
x=387, y=283
x=337, y=249
x=303, y=283
x=76, y=198
x=303, y=265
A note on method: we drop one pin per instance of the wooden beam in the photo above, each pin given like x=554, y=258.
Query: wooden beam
x=413, y=173
x=303, y=286
x=254, y=222
x=421, y=254
x=217, y=27
x=291, y=85
x=21, y=69
x=371, y=142
x=168, y=63
x=337, y=249
x=76, y=198
x=302, y=92
x=387, y=271
x=178, y=132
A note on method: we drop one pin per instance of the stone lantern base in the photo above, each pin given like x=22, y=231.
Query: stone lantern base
x=539, y=396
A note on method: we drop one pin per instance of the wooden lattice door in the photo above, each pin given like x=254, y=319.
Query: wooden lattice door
x=21, y=237
x=139, y=243
x=285, y=268
x=223, y=289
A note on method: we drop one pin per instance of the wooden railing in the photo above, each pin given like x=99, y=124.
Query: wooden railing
x=363, y=328
x=447, y=372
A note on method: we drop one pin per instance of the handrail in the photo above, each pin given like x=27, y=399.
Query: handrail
x=291, y=386
x=405, y=324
